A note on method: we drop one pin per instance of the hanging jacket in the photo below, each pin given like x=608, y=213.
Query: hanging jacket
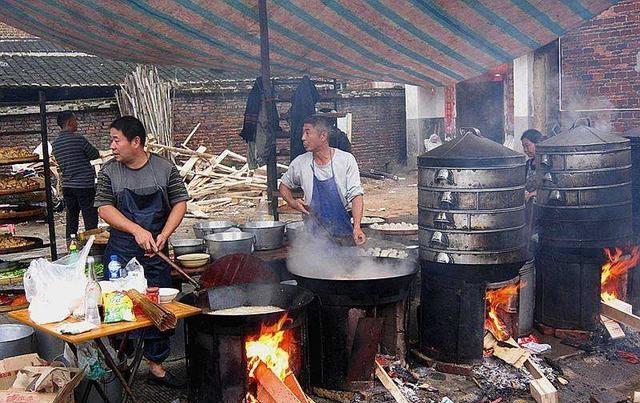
x=303, y=105
x=255, y=129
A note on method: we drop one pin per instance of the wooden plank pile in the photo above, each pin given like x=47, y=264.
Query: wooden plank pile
x=216, y=181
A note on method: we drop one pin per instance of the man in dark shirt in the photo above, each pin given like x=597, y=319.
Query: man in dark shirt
x=143, y=198
x=74, y=154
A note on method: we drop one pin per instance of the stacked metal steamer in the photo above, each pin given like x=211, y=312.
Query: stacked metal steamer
x=472, y=232
x=634, y=137
x=584, y=205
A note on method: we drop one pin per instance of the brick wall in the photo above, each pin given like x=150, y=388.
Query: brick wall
x=378, y=136
x=94, y=124
x=378, y=127
x=601, y=69
x=7, y=31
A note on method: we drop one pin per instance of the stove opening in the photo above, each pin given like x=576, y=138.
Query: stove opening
x=615, y=274
x=501, y=309
x=273, y=363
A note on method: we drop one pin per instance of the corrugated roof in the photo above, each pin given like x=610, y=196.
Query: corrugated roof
x=423, y=42
x=38, y=63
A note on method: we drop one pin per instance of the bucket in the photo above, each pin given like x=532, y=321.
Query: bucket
x=16, y=340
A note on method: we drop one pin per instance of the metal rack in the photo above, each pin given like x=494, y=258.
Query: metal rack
x=47, y=177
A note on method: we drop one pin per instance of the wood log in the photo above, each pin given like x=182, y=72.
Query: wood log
x=541, y=389
x=389, y=384
x=616, y=310
x=613, y=328
x=188, y=166
x=274, y=386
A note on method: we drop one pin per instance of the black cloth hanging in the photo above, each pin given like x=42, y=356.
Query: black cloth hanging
x=255, y=128
x=303, y=105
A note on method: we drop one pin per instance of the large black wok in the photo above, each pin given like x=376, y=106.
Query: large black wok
x=357, y=280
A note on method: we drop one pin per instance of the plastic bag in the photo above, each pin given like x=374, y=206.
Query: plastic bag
x=117, y=308
x=92, y=361
x=56, y=289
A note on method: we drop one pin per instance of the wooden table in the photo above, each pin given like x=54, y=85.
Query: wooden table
x=108, y=329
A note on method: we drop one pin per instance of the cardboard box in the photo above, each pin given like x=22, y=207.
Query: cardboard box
x=29, y=379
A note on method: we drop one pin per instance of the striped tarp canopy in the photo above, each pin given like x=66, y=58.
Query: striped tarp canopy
x=421, y=42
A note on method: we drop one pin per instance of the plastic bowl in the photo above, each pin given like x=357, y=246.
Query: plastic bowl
x=193, y=259
x=166, y=295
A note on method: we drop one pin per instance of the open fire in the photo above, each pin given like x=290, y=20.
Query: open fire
x=269, y=367
x=495, y=300
x=614, y=272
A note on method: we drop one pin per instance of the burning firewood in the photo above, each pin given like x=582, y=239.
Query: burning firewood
x=617, y=310
x=272, y=389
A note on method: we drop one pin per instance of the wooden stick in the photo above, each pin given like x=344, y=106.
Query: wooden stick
x=184, y=143
x=274, y=386
x=615, y=310
x=388, y=383
x=541, y=389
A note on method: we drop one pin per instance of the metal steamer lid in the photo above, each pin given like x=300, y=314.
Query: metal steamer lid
x=582, y=137
x=633, y=135
x=471, y=150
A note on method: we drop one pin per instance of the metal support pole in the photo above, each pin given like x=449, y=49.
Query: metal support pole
x=265, y=68
x=47, y=174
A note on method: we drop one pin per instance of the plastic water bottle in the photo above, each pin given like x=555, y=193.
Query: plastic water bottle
x=114, y=268
x=92, y=295
x=73, y=249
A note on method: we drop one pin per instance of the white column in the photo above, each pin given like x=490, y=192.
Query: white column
x=424, y=107
x=522, y=97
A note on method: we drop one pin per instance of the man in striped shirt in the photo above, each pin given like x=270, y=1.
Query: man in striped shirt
x=74, y=153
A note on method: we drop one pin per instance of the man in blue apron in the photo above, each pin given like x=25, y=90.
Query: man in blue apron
x=143, y=198
x=330, y=180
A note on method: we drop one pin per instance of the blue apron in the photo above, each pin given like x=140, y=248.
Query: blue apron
x=327, y=207
x=151, y=213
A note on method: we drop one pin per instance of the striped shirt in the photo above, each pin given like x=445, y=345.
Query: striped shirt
x=115, y=176
x=74, y=154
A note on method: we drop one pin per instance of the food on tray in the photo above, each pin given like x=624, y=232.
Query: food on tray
x=379, y=252
x=17, y=184
x=15, y=153
x=12, y=299
x=370, y=220
x=395, y=226
x=12, y=273
x=248, y=310
x=18, y=212
x=10, y=242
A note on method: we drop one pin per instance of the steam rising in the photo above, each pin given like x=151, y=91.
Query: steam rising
x=315, y=257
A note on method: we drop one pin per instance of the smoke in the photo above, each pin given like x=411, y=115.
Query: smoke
x=315, y=257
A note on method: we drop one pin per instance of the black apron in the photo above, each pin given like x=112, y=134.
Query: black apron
x=151, y=213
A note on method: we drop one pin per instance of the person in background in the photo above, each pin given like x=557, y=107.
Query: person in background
x=73, y=154
x=330, y=179
x=144, y=199
x=529, y=140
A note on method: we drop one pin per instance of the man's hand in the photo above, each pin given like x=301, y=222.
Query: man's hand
x=144, y=239
x=161, y=240
x=358, y=236
x=300, y=206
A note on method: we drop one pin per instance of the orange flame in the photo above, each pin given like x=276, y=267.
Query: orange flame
x=494, y=299
x=614, y=269
x=267, y=347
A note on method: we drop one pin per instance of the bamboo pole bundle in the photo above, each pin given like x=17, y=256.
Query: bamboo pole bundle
x=161, y=317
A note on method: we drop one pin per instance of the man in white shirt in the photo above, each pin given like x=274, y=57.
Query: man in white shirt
x=330, y=179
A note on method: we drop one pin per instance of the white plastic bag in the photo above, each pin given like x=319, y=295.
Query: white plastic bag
x=56, y=289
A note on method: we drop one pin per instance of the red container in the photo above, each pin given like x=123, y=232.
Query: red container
x=153, y=293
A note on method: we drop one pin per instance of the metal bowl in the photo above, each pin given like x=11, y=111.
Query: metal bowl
x=16, y=340
x=228, y=243
x=202, y=229
x=269, y=234
x=187, y=246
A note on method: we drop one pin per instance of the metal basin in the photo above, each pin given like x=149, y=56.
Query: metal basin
x=16, y=340
x=229, y=243
x=269, y=234
x=188, y=246
x=202, y=229
x=294, y=231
